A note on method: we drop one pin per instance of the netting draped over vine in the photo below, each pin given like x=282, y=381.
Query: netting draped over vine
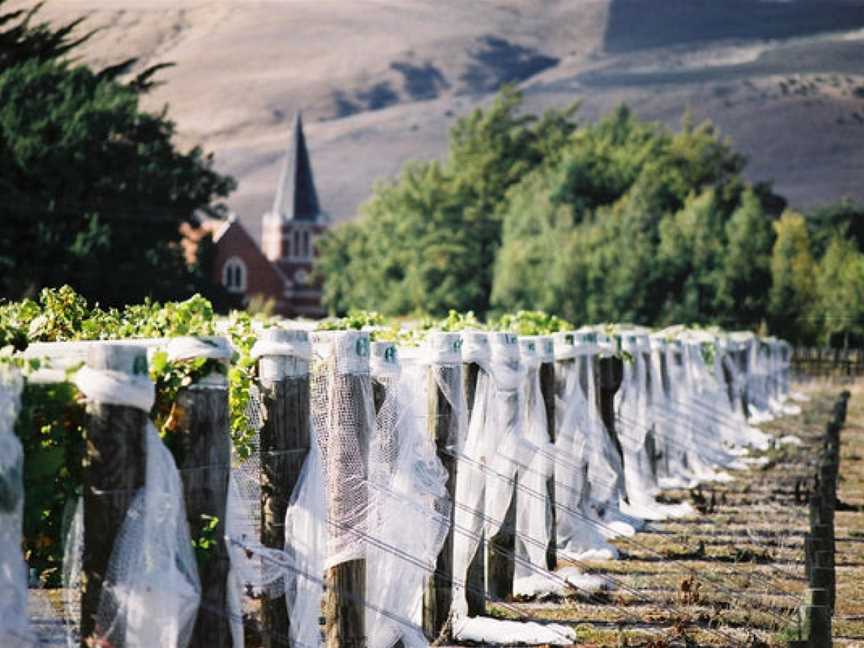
x=388, y=427
x=635, y=409
x=588, y=470
x=411, y=514
x=533, y=509
x=152, y=573
x=15, y=630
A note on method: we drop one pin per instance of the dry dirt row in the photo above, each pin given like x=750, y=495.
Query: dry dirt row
x=734, y=574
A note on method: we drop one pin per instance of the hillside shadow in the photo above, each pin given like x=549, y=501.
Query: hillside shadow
x=642, y=24
x=498, y=61
x=377, y=96
x=420, y=81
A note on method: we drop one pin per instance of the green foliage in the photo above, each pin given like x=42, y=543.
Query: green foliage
x=242, y=375
x=23, y=40
x=456, y=321
x=426, y=242
x=618, y=220
x=206, y=542
x=746, y=266
x=628, y=223
x=840, y=286
x=94, y=189
x=53, y=454
x=531, y=323
x=842, y=219
x=793, y=288
x=51, y=428
x=356, y=320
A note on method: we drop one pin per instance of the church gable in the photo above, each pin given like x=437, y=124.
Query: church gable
x=241, y=267
x=282, y=267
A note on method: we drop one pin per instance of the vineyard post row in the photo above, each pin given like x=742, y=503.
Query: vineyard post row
x=114, y=470
x=819, y=543
x=842, y=364
x=115, y=467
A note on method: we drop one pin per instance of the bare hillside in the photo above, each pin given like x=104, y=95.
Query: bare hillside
x=380, y=82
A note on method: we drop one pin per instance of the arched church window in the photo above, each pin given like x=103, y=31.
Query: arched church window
x=306, y=244
x=234, y=275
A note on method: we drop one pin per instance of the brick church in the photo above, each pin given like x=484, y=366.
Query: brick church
x=281, y=269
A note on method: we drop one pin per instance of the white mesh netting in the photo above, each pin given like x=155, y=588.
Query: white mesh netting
x=374, y=488
x=411, y=515
x=635, y=413
x=152, y=573
x=15, y=630
x=493, y=448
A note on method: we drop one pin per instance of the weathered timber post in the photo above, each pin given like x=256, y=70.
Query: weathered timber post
x=115, y=459
x=344, y=396
x=663, y=391
x=609, y=375
x=500, y=548
x=817, y=617
x=383, y=366
x=202, y=449
x=444, y=389
x=545, y=349
x=475, y=355
x=742, y=357
x=283, y=372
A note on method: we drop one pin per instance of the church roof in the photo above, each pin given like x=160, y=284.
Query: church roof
x=296, y=197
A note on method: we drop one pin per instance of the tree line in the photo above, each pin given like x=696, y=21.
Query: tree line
x=94, y=190
x=616, y=220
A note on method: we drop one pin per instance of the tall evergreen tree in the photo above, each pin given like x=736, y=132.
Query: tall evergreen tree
x=793, y=281
x=95, y=189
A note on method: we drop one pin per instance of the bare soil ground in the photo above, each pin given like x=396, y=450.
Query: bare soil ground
x=734, y=574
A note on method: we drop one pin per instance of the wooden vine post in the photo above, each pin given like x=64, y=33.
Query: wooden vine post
x=383, y=365
x=568, y=361
x=443, y=388
x=114, y=470
x=658, y=346
x=652, y=440
x=347, y=386
x=500, y=566
x=283, y=371
x=202, y=449
x=610, y=374
x=475, y=351
x=547, y=390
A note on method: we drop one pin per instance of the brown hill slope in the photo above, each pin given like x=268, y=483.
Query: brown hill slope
x=381, y=81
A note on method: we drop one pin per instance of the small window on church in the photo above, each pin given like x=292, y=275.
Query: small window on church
x=297, y=250
x=234, y=275
x=306, y=243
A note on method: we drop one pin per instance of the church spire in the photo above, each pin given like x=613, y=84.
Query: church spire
x=296, y=198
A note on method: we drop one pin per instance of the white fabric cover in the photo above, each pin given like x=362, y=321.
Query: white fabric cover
x=15, y=630
x=152, y=572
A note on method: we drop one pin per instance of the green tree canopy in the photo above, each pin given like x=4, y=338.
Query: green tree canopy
x=629, y=222
x=94, y=188
x=617, y=220
x=426, y=242
x=840, y=285
x=793, y=272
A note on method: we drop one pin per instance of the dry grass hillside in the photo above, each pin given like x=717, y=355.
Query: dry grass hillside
x=380, y=81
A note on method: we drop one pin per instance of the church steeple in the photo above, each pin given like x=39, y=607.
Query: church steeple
x=289, y=230
x=296, y=197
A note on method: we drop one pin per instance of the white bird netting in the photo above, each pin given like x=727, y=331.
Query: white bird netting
x=15, y=630
x=152, y=572
x=376, y=483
